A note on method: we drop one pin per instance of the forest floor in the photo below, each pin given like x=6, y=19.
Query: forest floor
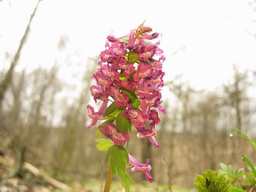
x=16, y=185
x=31, y=179
x=95, y=186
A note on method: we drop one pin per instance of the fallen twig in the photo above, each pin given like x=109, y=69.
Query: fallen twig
x=37, y=172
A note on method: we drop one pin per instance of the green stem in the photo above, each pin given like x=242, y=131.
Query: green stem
x=108, y=181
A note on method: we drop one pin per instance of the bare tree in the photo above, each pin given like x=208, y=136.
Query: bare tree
x=17, y=90
x=5, y=83
x=184, y=94
x=236, y=95
x=45, y=82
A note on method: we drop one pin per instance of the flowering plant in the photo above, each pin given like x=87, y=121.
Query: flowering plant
x=128, y=84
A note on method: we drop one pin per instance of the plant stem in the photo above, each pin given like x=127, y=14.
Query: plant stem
x=108, y=181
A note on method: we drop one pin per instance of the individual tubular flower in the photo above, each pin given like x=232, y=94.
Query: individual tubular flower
x=110, y=131
x=145, y=168
x=95, y=116
x=128, y=82
x=121, y=100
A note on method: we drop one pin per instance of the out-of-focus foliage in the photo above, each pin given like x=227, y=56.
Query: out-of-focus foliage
x=212, y=181
x=227, y=178
x=230, y=172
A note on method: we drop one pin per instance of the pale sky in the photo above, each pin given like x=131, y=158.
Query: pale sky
x=202, y=39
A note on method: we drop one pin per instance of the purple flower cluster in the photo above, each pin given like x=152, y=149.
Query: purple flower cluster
x=128, y=82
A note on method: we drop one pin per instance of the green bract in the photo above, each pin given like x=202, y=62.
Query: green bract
x=112, y=112
x=132, y=57
x=122, y=123
x=122, y=77
x=110, y=109
x=103, y=144
x=133, y=98
x=118, y=161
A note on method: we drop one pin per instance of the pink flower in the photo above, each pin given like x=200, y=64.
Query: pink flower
x=112, y=39
x=130, y=76
x=144, y=70
x=150, y=36
x=102, y=80
x=136, y=117
x=153, y=141
x=96, y=91
x=121, y=100
x=95, y=116
x=153, y=115
x=146, y=133
x=145, y=168
x=110, y=131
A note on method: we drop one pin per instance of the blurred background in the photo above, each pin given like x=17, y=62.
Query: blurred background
x=48, y=52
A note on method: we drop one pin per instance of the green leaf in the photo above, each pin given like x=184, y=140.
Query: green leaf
x=118, y=161
x=126, y=180
x=118, y=158
x=110, y=109
x=133, y=98
x=230, y=173
x=103, y=144
x=246, y=137
x=136, y=103
x=122, y=77
x=122, y=123
x=236, y=189
x=98, y=134
x=212, y=181
x=112, y=112
x=249, y=164
x=250, y=179
x=251, y=141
